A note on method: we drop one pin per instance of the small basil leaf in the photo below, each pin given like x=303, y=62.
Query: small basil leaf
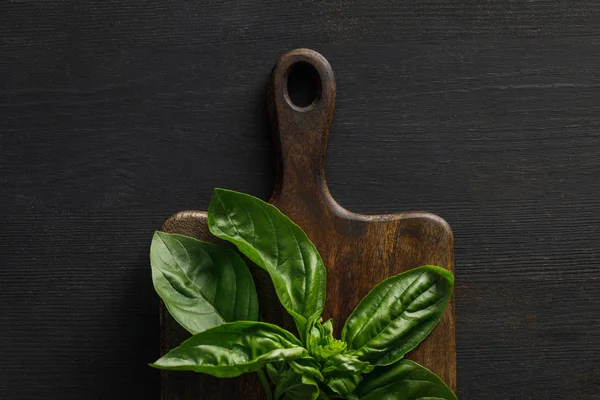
x=343, y=372
x=346, y=363
x=307, y=366
x=308, y=390
x=274, y=370
x=287, y=379
x=294, y=386
x=232, y=349
x=344, y=384
x=398, y=314
x=275, y=243
x=320, y=341
x=405, y=380
x=201, y=284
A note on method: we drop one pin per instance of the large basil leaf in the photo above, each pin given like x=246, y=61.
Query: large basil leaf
x=201, y=284
x=398, y=314
x=232, y=349
x=405, y=380
x=276, y=244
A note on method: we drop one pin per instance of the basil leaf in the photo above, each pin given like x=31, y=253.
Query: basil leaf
x=287, y=379
x=201, y=284
x=307, y=366
x=405, y=380
x=343, y=372
x=294, y=386
x=344, y=384
x=275, y=371
x=346, y=363
x=232, y=349
x=398, y=314
x=320, y=341
x=308, y=390
x=276, y=244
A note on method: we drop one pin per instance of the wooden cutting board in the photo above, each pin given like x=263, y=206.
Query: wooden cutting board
x=359, y=251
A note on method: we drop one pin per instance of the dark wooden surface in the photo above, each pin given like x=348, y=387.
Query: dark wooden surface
x=114, y=115
x=359, y=251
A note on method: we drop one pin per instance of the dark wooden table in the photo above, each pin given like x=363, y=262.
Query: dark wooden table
x=113, y=115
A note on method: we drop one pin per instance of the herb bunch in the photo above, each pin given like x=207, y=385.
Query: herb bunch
x=210, y=292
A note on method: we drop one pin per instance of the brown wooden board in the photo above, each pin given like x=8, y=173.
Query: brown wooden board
x=359, y=251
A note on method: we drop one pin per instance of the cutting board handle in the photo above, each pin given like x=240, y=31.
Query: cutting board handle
x=300, y=133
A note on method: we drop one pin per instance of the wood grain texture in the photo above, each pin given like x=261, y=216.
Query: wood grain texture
x=114, y=115
x=359, y=251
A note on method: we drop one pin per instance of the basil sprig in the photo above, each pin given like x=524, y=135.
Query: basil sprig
x=208, y=289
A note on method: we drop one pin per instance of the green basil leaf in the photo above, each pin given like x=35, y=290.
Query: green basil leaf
x=405, y=380
x=346, y=363
x=307, y=366
x=344, y=384
x=398, y=314
x=276, y=244
x=320, y=341
x=232, y=349
x=201, y=284
x=294, y=386
x=287, y=379
x=308, y=390
x=343, y=372
x=275, y=370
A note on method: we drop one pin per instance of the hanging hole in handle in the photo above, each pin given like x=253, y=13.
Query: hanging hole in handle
x=303, y=87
